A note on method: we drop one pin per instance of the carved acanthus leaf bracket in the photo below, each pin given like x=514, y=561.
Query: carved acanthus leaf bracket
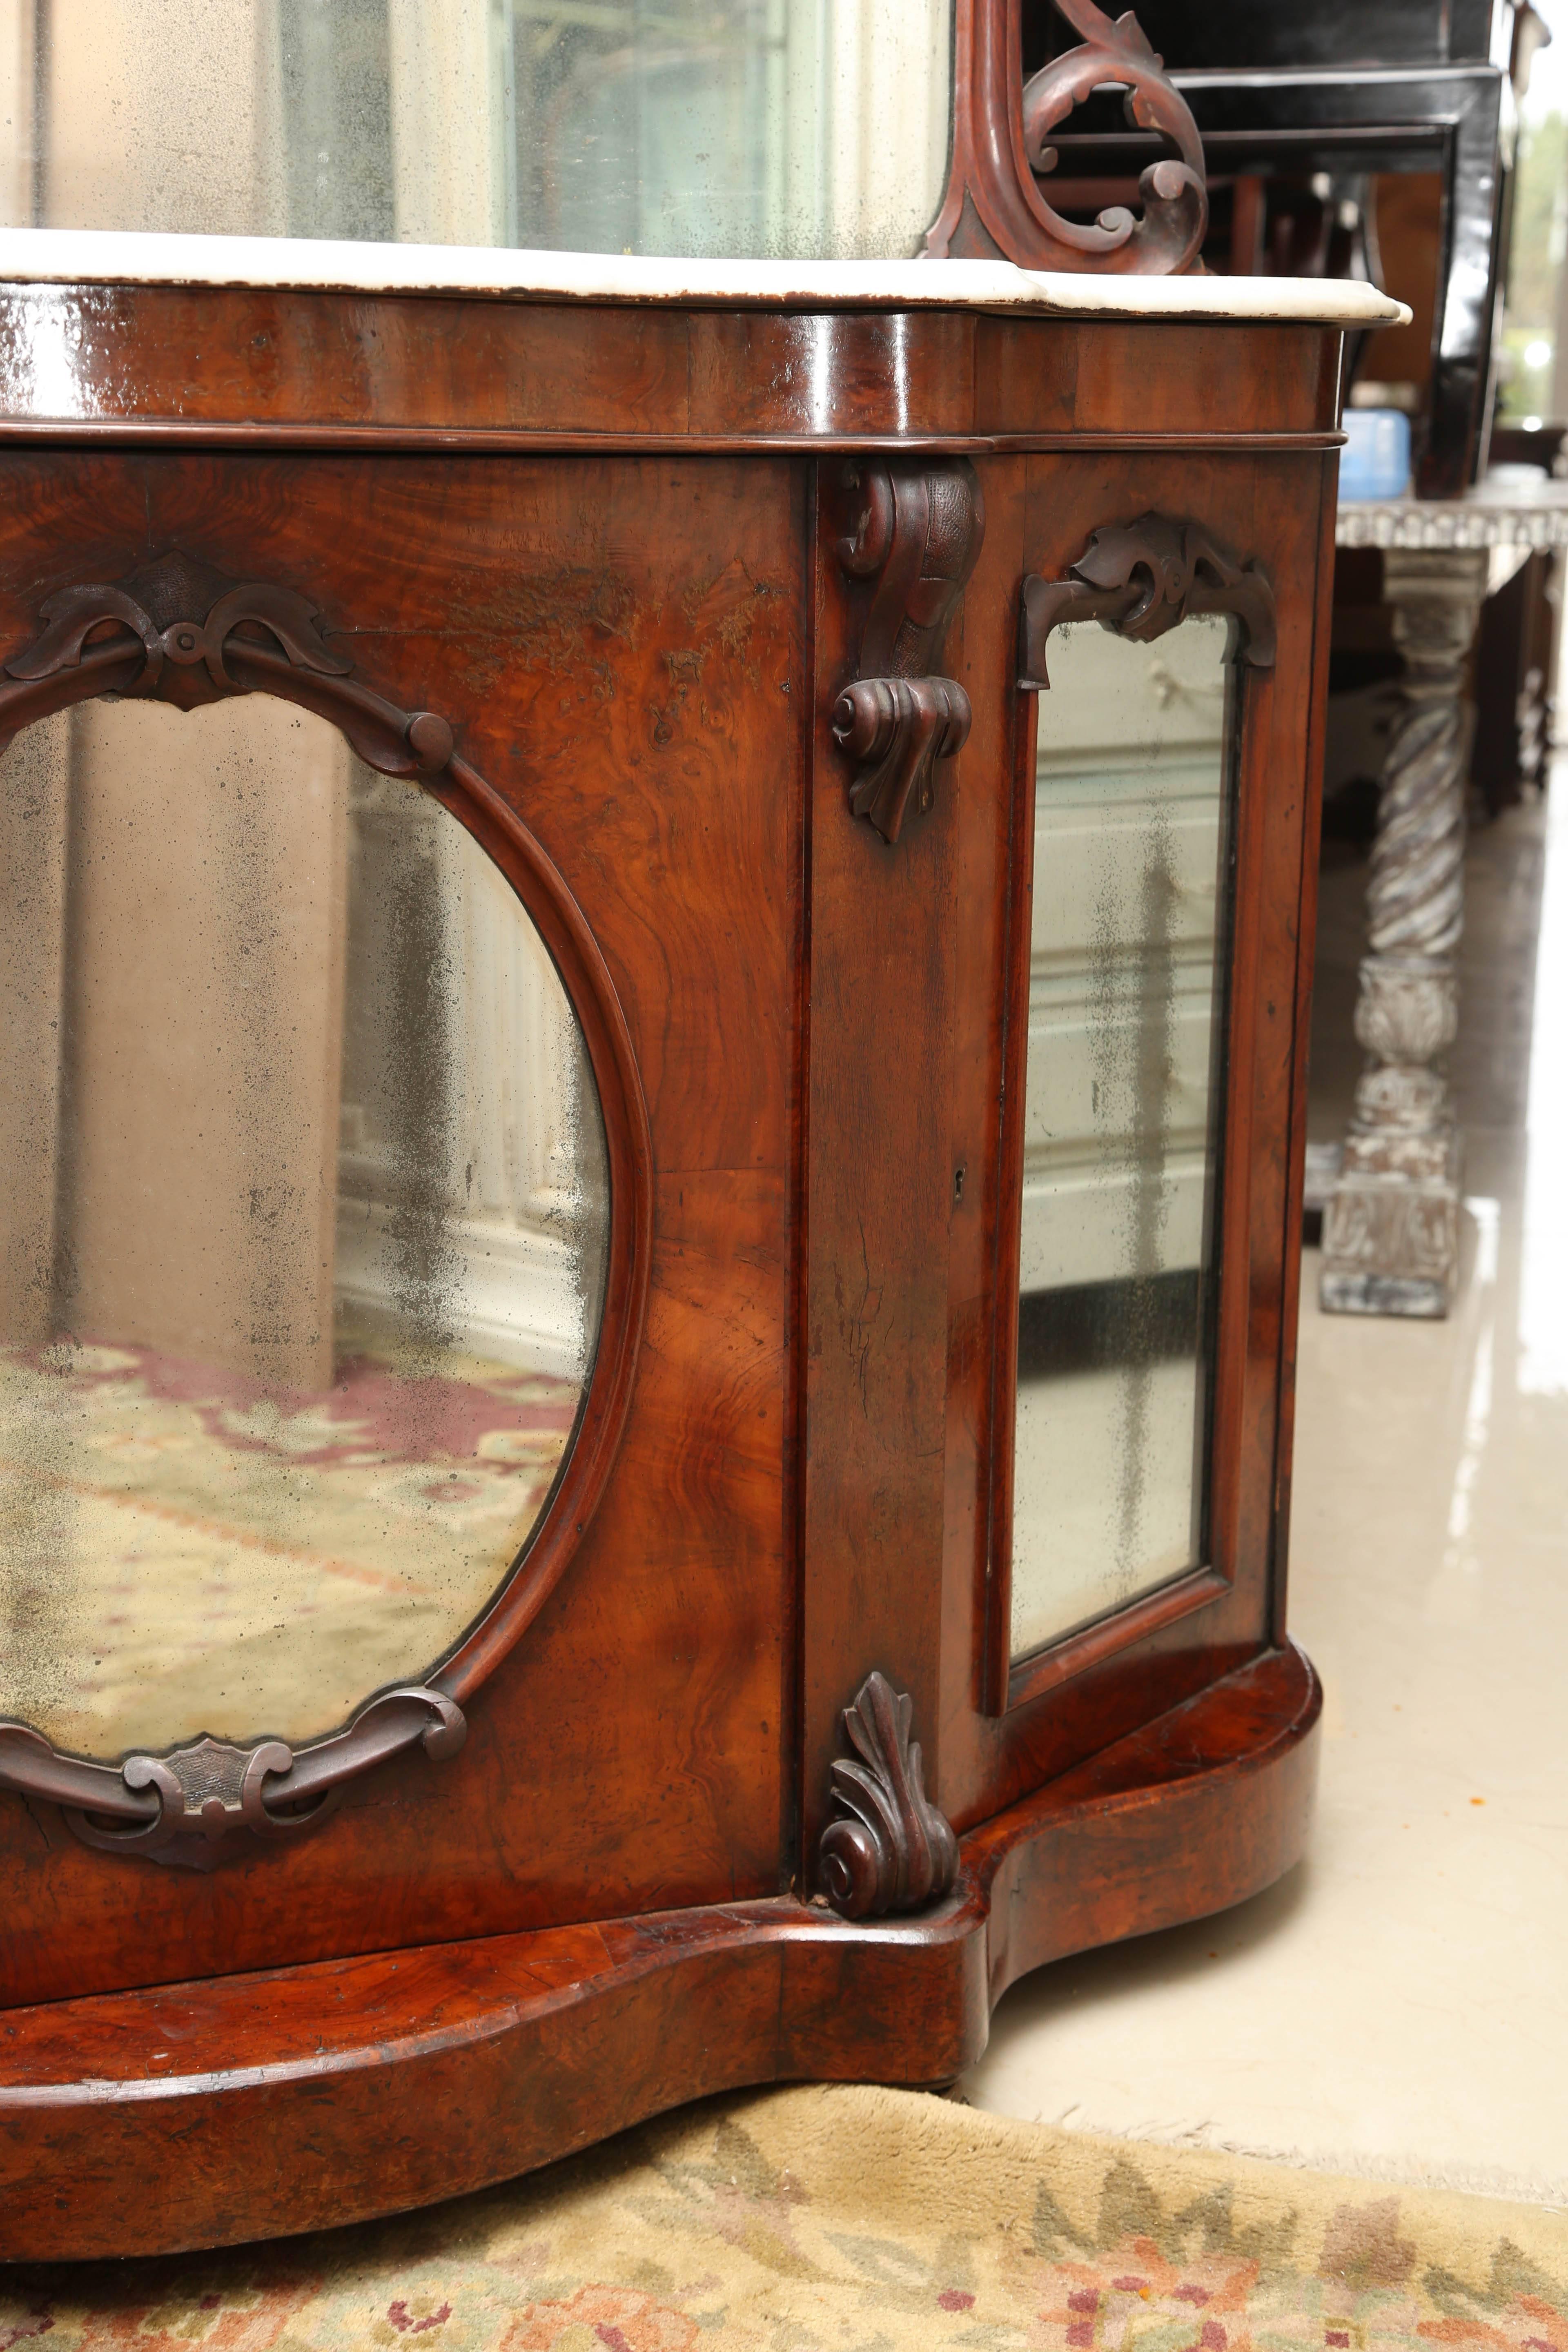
x=1001, y=141
x=1141, y=579
x=193, y=1805
x=915, y=530
x=888, y=1849
x=180, y=631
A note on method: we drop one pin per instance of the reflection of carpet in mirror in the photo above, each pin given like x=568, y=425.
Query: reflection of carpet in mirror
x=186, y=1552
x=1103, y=1505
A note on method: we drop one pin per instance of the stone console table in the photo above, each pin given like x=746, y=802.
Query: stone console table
x=1391, y=1222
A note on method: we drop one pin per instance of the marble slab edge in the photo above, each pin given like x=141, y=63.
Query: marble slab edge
x=123, y=258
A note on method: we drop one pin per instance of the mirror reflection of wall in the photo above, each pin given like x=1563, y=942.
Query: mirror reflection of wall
x=1122, y=1122
x=303, y=1208
x=754, y=127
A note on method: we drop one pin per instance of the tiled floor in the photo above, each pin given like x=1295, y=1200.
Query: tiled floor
x=1398, y=2005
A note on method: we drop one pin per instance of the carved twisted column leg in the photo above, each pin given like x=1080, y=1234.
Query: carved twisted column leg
x=1391, y=1231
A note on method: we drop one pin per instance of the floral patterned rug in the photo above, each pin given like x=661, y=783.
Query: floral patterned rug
x=844, y=2218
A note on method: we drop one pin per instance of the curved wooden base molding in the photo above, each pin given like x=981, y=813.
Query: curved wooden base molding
x=252, y=2106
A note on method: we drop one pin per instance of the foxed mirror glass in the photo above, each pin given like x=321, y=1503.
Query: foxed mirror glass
x=1122, y=1120
x=303, y=1216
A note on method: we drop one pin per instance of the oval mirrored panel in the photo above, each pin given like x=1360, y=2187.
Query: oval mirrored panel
x=1122, y=1121
x=303, y=1222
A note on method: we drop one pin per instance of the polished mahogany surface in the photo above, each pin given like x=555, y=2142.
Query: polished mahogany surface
x=270, y=365
x=607, y=543
x=354, y=2087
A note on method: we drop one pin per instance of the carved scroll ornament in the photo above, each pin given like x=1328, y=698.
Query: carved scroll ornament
x=890, y=1849
x=1141, y=579
x=1002, y=128
x=194, y=1804
x=179, y=632
x=916, y=531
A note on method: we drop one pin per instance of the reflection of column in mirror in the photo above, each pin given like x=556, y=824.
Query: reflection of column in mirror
x=470, y=1130
x=17, y=87
x=400, y=1098
x=1206, y=1333
x=156, y=115
x=202, y=1035
x=34, y=803
x=1132, y=1028
x=888, y=102
x=336, y=131
x=452, y=109
x=787, y=126
x=38, y=1589
x=527, y=1132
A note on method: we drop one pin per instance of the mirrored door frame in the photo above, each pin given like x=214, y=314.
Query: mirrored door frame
x=1188, y=569
x=179, y=632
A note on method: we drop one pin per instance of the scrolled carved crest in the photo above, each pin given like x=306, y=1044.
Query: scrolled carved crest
x=1141, y=579
x=180, y=631
x=890, y=1849
x=1002, y=147
x=915, y=530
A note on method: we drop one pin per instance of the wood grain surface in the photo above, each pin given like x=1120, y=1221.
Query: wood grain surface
x=192, y=365
x=599, y=541
x=267, y=2103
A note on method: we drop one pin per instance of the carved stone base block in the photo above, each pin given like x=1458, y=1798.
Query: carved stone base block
x=1391, y=1231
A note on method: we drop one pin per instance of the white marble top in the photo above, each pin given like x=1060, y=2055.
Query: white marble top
x=1494, y=514
x=117, y=258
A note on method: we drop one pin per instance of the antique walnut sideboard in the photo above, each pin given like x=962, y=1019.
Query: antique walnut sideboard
x=701, y=624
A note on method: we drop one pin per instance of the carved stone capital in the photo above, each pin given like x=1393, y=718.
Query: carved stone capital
x=1408, y=1008
x=890, y=1849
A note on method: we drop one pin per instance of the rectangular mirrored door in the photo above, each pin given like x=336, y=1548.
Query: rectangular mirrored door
x=1123, y=1103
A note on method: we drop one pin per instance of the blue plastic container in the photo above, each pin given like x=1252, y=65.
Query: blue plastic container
x=1375, y=460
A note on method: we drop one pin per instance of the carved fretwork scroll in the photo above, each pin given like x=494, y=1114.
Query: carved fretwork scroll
x=1001, y=142
x=194, y=1804
x=916, y=531
x=179, y=632
x=1141, y=579
x=888, y=1849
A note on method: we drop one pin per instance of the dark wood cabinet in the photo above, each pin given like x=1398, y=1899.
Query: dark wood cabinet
x=704, y=614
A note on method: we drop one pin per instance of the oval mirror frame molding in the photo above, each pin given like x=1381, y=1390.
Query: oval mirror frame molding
x=177, y=631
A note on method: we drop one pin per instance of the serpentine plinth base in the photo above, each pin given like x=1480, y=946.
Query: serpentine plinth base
x=263, y=2103
x=1390, y=1229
